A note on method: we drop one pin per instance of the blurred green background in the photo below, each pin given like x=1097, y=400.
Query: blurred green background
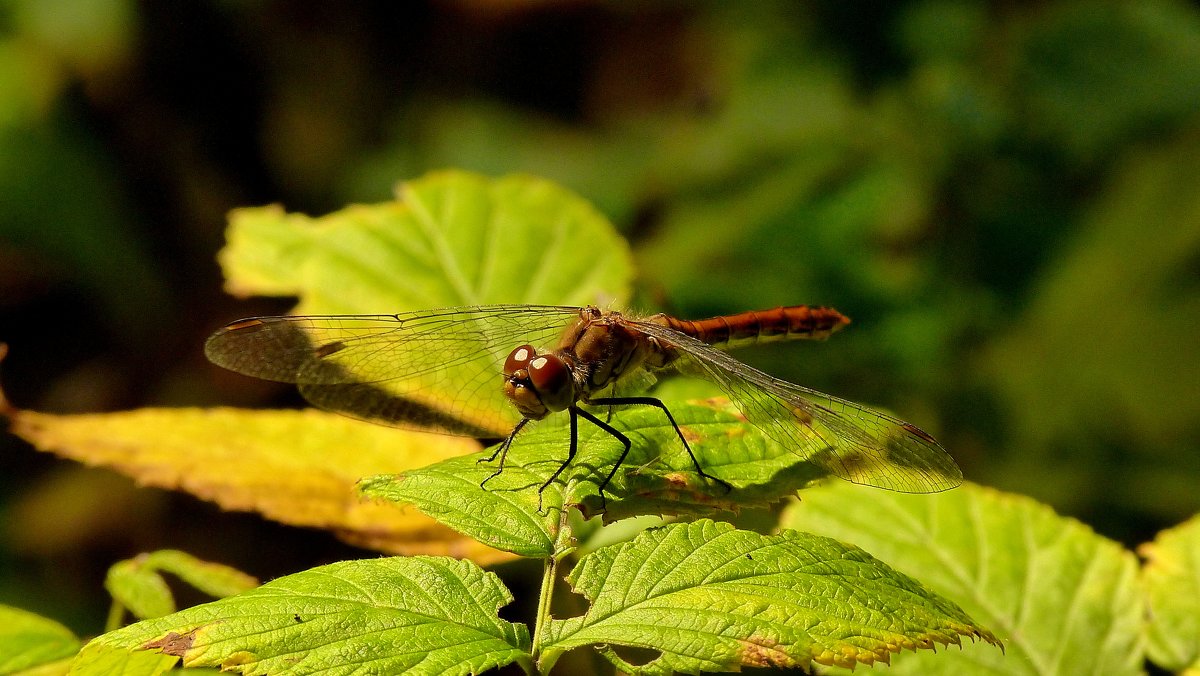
x=1005, y=197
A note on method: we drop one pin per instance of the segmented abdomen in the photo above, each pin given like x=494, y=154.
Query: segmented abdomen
x=759, y=326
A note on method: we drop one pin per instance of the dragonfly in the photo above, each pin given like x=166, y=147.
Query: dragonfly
x=489, y=371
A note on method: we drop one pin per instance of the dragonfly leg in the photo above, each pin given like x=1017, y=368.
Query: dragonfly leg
x=619, y=437
x=570, y=455
x=502, y=451
x=651, y=401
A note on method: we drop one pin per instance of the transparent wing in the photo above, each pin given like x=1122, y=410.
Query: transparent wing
x=851, y=441
x=438, y=370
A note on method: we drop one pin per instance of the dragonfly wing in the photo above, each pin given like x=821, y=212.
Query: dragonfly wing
x=435, y=370
x=851, y=441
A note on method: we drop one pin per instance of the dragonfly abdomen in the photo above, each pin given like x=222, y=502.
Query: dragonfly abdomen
x=760, y=326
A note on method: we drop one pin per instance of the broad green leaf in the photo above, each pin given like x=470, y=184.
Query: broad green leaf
x=276, y=463
x=1171, y=578
x=452, y=238
x=1062, y=599
x=418, y=615
x=29, y=641
x=710, y=597
x=138, y=584
x=103, y=660
x=657, y=477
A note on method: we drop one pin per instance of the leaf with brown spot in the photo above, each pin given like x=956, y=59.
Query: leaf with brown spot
x=400, y=615
x=709, y=597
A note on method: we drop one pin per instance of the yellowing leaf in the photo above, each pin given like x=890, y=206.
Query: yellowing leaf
x=296, y=467
x=101, y=660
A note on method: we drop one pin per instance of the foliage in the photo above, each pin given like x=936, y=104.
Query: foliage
x=1030, y=574
x=1170, y=583
x=1001, y=195
x=698, y=595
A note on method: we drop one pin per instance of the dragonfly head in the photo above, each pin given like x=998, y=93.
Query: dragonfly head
x=537, y=384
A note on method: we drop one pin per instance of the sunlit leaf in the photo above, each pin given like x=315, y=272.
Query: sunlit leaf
x=708, y=597
x=452, y=238
x=418, y=615
x=29, y=641
x=657, y=477
x=1171, y=578
x=1062, y=599
x=297, y=467
x=102, y=660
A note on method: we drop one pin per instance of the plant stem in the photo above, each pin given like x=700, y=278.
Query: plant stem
x=549, y=578
x=115, y=612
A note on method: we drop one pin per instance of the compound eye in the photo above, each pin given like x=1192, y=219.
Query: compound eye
x=518, y=359
x=549, y=375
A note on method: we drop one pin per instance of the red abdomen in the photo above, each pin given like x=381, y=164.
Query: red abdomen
x=759, y=326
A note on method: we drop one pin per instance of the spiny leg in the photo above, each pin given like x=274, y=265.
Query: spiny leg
x=502, y=451
x=619, y=437
x=570, y=452
x=570, y=455
x=651, y=401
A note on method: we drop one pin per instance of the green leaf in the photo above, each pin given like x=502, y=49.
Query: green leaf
x=504, y=515
x=140, y=589
x=419, y=615
x=657, y=477
x=101, y=660
x=453, y=238
x=214, y=579
x=1171, y=578
x=709, y=597
x=1063, y=599
x=138, y=585
x=28, y=640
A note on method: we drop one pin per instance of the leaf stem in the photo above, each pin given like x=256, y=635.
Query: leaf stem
x=549, y=575
x=549, y=578
x=115, y=613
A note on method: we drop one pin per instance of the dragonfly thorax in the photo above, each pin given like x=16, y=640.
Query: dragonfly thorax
x=594, y=353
